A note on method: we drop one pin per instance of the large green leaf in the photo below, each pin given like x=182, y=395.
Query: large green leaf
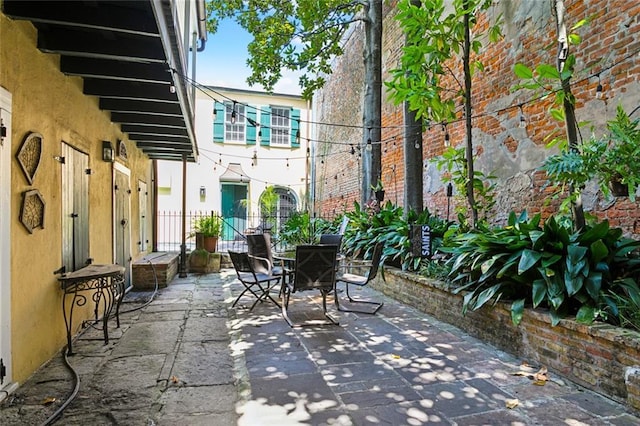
x=593, y=284
x=538, y=292
x=517, y=308
x=573, y=284
x=523, y=71
x=485, y=296
x=586, y=314
x=528, y=259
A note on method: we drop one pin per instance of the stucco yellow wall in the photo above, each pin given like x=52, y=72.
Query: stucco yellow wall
x=48, y=102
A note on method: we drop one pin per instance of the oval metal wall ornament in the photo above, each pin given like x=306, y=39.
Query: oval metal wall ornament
x=32, y=210
x=29, y=155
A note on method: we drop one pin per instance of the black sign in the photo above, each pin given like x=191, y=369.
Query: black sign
x=421, y=241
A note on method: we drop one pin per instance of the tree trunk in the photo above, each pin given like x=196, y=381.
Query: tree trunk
x=372, y=108
x=467, y=108
x=412, y=157
x=569, y=108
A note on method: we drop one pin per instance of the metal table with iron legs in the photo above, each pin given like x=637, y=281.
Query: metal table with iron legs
x=107, y=284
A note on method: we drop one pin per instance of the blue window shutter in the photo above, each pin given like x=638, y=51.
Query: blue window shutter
x=265, y=125
x=251, y=129
x=218, y=124
x=295, y=127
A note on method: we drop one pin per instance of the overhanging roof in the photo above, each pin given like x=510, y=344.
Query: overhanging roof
x=124, y=51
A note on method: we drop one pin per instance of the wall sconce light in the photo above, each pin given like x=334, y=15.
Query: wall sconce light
x=203, y=192
x=107, y=152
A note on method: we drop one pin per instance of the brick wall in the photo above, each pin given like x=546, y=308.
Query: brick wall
x=600, y=357
x=609, y=48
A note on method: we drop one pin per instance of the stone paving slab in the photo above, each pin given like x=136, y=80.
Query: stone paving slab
x=188, y=358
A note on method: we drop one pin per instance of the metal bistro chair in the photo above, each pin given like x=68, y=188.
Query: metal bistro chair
x=331, y=239
x=370, y=269
x=259, y=245
x=257, y=283
x=315, y=269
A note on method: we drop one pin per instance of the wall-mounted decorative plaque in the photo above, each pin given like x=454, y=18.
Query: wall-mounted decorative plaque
x=29, y=155
x=32, y=210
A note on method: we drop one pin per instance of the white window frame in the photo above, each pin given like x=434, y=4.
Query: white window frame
x=280, y=126
x=234, y=132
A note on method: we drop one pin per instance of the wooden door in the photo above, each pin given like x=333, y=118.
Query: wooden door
x=122, y=219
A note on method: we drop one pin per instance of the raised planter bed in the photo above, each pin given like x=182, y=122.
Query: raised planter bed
x=600, y=357
x=162, y=265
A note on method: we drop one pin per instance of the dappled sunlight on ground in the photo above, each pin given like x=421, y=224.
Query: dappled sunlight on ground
x=398, y=367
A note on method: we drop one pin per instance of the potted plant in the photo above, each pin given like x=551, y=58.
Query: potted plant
x=619, y=169
x=207, y=230
x=613, y=160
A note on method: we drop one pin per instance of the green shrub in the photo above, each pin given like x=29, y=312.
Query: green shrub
x=570, y=273
x=388, y=225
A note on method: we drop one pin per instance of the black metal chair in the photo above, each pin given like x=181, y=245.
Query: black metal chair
x=370, y=270
x=259, y=245
x=258, y=284
x=315, y=269
x=332, y=239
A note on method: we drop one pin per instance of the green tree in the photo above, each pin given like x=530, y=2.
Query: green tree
x=436, y=36
x=306, y=35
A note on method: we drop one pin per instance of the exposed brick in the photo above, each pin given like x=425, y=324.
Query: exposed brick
x=611, y=37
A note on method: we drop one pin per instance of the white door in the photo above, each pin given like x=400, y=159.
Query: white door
x=5, y=245
x=122, y=219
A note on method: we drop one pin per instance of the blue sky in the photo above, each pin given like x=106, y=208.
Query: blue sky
x=223, y=62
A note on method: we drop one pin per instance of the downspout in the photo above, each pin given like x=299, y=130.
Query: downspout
x=202, y=25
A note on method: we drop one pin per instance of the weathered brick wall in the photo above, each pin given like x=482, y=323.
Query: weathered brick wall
x=600, y=357
x=609, y=48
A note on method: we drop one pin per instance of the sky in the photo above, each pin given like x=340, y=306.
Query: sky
x=223, y=62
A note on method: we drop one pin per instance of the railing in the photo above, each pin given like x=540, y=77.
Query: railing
x=233, y=232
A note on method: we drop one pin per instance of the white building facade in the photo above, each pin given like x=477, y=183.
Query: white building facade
x=248, y=141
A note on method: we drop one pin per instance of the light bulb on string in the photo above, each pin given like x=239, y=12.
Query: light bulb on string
x=287, y=163
x=522, y=119
x=353, y=150
x=417, y=145
x=298, y=135
x=446, y=139
x=369, y=145
x=599, y=89
x=233, y=113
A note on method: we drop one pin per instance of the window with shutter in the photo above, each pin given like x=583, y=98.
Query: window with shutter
x=280, y=126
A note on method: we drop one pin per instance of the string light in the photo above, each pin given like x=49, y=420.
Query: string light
x=599, y=89
x=522, y=119
x=233, y=113
x=631, y=55
x=353, y=150
x=369, y=146
x=172, y=88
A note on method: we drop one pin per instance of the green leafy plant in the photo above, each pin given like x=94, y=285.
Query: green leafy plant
x=550, y=266
x=454, y=162
x=621, y=160
x=209, y=226
x=300, y=228
x=389, y=226
x=613, y=157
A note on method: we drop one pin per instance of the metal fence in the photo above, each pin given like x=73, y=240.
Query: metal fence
x=233, y=232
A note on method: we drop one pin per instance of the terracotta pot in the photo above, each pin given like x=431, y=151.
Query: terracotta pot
x=210, y=243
